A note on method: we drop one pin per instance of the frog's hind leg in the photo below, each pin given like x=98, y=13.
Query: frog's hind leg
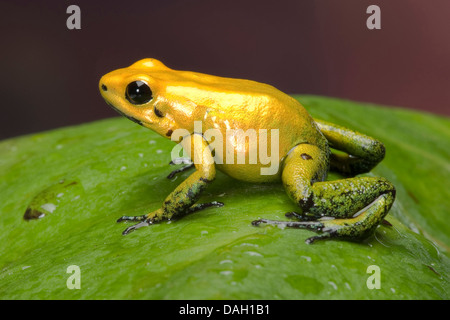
x=348, y=208
x=361, y=152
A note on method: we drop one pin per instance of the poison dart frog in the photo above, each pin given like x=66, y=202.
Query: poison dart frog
x=166, y=100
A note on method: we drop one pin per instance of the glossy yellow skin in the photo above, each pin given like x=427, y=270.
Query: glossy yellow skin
x=220, y=103
x=180, y=98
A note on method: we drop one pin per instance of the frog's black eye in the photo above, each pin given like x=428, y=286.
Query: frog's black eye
x=138, y=92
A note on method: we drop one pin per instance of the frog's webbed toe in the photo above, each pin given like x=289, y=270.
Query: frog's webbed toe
x=148, y=219
x=317, y=226
x=301, y=216
x=311, y=225
x=200, y=206
x=182, y=169
x=144, y=222
x=188, y=165
x=141, y=224
x=132, y=218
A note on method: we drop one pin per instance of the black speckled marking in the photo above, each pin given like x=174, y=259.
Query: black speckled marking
x=158, y=112
x=307, y=203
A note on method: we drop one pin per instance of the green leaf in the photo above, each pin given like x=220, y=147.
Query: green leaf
x=73, y=183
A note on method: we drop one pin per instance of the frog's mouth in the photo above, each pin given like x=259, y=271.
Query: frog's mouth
x=139, y=122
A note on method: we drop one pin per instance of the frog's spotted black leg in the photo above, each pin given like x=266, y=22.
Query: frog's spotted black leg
x=182, y=200
x=362, y=152
x=356, y=205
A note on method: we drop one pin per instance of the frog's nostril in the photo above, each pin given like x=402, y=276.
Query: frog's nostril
x=104, y=88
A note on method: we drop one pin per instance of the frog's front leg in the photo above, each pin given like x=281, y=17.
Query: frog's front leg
x=356, y=206
x=182, y=200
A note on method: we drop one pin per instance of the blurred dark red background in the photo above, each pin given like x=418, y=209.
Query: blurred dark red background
x=49, y=74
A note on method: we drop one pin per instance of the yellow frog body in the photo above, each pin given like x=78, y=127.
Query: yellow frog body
x=264, y=122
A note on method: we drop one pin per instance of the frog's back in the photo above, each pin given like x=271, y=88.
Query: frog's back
x=226, y=103
x=247, y=104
